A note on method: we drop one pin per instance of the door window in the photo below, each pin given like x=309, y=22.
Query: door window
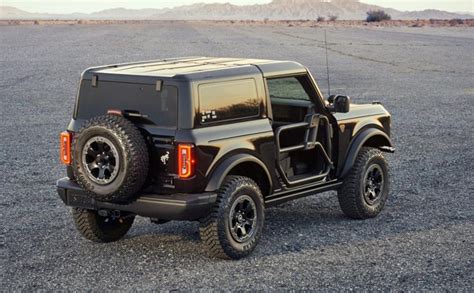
x=287, y=88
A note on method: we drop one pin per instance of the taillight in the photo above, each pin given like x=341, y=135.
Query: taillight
x=65, y=147
x=186, y=160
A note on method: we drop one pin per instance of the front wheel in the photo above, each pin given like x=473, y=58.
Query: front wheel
x=366, y=187
x=234, y=226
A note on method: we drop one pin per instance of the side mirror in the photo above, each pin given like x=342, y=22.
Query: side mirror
x=342, y=104
x=339, y=104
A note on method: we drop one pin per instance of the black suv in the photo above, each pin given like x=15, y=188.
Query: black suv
x=215, y=140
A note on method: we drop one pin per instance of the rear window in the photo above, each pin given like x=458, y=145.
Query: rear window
x=228, y=100
x=160, y=107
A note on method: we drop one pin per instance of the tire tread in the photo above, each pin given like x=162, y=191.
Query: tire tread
x=349, y=195
x=86, y=223
x=213, y=237
x=137, y=155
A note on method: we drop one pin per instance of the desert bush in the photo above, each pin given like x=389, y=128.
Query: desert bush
x=377, y=15
x=36, y=22
x=320, y=18
x=333, y=17
x=456, y=21
x=418, y=24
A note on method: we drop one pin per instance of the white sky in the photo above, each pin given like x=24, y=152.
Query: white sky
x=68, y=6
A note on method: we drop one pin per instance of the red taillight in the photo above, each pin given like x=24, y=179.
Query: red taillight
x=65, y=147
x=185, y=160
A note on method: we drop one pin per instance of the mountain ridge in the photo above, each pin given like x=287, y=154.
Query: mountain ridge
x=275, y=10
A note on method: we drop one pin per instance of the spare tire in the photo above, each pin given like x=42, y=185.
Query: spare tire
x=110, y=159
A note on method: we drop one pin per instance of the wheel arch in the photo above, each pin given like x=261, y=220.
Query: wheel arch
x=371, y=137
x=244, y=165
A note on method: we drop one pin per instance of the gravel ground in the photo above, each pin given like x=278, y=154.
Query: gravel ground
x=422, y=240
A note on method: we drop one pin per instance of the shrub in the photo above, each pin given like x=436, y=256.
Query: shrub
x=333, y=17
x=377, y=15
x=320, y=18
x=455, y=21
x=418, y=24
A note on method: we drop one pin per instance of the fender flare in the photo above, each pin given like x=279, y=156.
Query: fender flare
x=228, y=164
x=356, y=146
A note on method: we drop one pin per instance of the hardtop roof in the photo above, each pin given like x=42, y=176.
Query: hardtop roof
x=191, y=68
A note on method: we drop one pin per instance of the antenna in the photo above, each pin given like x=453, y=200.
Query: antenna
x=327, y=61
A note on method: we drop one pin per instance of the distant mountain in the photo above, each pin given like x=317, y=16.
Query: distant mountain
x=276, y=10
x=9, y=12
x=432, y=14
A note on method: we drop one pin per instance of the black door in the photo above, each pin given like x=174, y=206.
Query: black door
x=302, y=134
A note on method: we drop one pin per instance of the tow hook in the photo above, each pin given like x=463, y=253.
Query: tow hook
x=114, y=214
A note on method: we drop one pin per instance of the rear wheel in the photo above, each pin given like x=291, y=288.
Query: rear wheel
x=109, y=227
x=365, y=189
x=234, y=226
x=110, y=159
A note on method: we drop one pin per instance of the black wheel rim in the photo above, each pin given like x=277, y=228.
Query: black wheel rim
x=373, y=184
x=100, y=160
x=243, y=218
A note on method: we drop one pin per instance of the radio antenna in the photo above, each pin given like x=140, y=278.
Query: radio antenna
x=327, y=61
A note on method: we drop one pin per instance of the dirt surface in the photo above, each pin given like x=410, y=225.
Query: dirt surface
x=422, y=240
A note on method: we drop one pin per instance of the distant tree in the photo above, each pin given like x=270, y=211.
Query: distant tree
x=321, y=18
x=377, y=15
x=333, y=17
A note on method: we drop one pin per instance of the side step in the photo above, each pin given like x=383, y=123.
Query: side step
x=294, y=193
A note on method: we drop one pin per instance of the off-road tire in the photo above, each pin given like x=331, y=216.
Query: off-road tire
x=215, y=229
x=351, y=195
x=93, y=227
x=132, y=156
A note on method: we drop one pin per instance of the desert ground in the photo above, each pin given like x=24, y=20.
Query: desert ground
x=424, y=239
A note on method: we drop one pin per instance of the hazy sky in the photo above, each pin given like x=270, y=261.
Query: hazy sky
x=67, y=6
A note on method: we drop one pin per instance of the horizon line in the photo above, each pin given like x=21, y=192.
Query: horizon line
x=468, y=12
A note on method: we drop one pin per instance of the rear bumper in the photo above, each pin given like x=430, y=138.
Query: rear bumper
x=166, y=207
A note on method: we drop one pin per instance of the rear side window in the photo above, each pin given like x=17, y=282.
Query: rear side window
x=160, y=107
x=228, y=100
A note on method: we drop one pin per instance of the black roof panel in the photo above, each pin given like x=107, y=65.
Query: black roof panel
x=194, y=68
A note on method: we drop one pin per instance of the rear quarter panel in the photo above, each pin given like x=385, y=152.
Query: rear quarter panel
x=217, y=143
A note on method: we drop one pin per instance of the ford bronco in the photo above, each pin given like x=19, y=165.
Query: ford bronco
x=215, y=140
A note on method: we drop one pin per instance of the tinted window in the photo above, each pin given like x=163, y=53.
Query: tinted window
x=287, y=88
x=160, y=107
x=228, y=100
